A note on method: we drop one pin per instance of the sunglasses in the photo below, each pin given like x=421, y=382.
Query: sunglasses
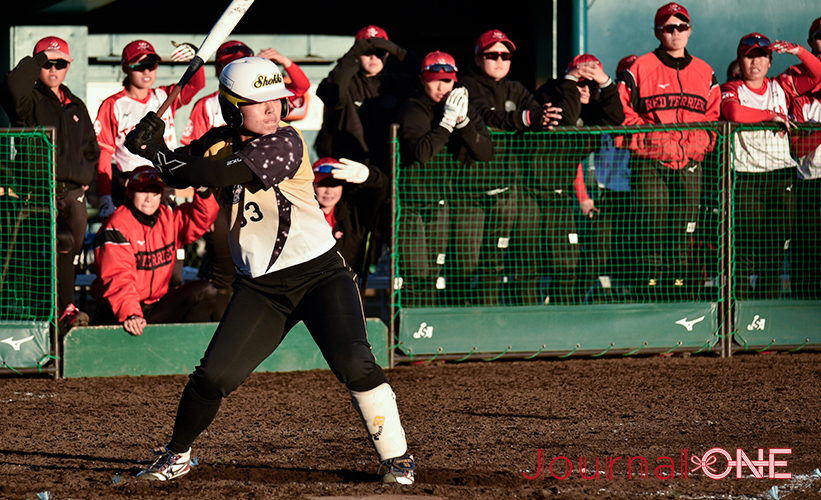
x=145, y=176
x=436, y=68
x=753, y=41
x=670, y=28
x=380, y=53
x=140, y=67
x=494, y=56
x=56, y=63
x=324, y=168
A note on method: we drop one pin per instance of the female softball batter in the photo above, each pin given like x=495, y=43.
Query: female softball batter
x=288, y=267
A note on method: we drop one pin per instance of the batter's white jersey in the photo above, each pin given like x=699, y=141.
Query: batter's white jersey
x=757, y=151
x=118, y=116
x=276, y=221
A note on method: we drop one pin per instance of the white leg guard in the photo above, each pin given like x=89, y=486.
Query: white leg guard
x=380, y=415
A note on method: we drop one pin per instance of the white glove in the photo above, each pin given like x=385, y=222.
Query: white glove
x=184, y=52
x=452, y=105
x=106, y=206
x=462, y=116
x=351, y=171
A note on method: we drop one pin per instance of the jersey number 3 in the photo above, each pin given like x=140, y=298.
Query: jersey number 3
x=255, y=216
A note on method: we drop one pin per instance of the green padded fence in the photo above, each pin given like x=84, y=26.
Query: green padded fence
x=107, y=351
x=584, y=219
x=27, y=249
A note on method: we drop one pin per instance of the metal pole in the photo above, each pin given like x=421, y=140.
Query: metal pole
x=579, y=27
x=392, y=278
x=726, y=311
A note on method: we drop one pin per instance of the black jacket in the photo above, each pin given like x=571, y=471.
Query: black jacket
x=604, y=107
x=426, y=148
x=503, y=104
x=29, y=103
x=356, y=215
x=359, y=110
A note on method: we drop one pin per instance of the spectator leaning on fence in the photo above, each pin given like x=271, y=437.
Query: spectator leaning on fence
x=33, y=95
x=764, y=168
x=587, y=96
x=437, y=126
x=135, y=251
x=507, y=105
x=805, y=274
x=668, y=86
x=350, y=195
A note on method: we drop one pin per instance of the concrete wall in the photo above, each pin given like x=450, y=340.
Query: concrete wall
x=96, y=73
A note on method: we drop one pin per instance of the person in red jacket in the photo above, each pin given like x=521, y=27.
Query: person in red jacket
x=668, y=85
x=764, y=168
x=121, y=112
x=135, y=252
x=805, y=274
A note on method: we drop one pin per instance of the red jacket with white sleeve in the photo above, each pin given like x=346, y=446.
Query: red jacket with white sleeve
x=135, y=253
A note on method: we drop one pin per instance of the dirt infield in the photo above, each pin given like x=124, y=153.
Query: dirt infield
x=475, y=428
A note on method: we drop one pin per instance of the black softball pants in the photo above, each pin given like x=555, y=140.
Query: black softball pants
x=323, y=294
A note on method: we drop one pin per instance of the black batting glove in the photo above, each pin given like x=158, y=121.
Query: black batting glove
x=149, y=132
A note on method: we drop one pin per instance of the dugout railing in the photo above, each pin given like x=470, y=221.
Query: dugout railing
x=28, y=333
x=497, y=260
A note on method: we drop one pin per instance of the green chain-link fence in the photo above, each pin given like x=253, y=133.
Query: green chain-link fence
x=710, y=213
x=27, y=248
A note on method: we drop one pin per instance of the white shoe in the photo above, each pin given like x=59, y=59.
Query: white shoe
x=167, y=466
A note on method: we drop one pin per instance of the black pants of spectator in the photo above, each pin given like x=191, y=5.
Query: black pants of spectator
x=321, y=293
x=72, y=220
x=545, y=241
x=606, y=246
x=763, y=210
x=805, y=274
x=218, y=264
x=666, y=205
x=191, y=302
x=481, y=229
x=422, y=241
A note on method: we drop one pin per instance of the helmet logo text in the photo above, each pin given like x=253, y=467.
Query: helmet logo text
x=264, y=81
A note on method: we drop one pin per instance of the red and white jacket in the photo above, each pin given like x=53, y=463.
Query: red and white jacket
x=135, y=260
x=766, y=150
x=805, y=108
x=119, y=114
x=657, y=89
x=207, y=113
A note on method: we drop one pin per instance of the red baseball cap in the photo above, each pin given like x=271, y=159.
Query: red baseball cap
x=489, y=38
x=323, y=167
x=625, y=63
x=137, y=49
x=815, y=27
x=231, y=51
x=671, y=9
x=439, y=66
x=53, y=43
x=582, y=59
x=751, y=42
x=142, y=178
x=371, y=31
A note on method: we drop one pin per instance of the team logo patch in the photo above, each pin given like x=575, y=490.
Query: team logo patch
x=265, y=80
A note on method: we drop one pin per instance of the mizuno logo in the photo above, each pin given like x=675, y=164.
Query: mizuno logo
x=689, y=324
x=141, y=242
x=16, y=343
x=664, y=85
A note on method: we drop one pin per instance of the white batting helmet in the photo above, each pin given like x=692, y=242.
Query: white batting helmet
x=250, y=80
